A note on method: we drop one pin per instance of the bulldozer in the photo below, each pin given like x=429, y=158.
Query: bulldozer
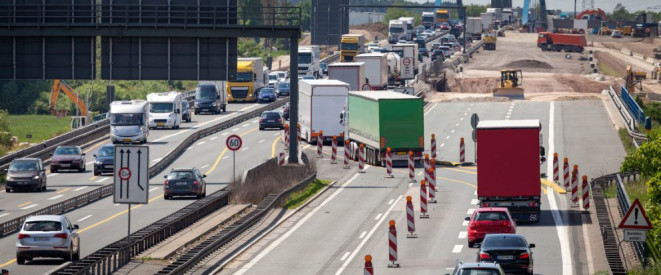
x=632, y=78
x=77, y=121
x=510, y=84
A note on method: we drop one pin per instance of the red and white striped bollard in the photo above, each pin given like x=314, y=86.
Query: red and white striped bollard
x=565, y=172
x=369, y=269
x=433, y=145
x=574, y=188
x=426, y=166
x=410, y=218
x=392, y=244
x=423, y=200
x=334, y=151
x=346, y=154
x=320, y=144
x=286, y=140
x=432, y=183
x=389, y=163
x=556, y=170
x=586, y=193
x=411, y=167
x=281, y=158
x=462, y=151
x=361, y=159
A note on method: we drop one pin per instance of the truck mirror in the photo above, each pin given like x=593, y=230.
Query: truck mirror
x=177, y=111
x=542, y=151
x=367, y=81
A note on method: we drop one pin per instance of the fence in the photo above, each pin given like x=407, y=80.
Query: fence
x=632, y=105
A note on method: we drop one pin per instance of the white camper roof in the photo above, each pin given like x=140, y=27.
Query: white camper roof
x=372, y=55
x=500, y=124
x=163, y=97
x=128, y=106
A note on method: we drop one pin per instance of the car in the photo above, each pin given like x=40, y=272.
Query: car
x=208, y=99
x=511, y=251
x=104, y=160
x=282, y=75
x=445, y=26
x=616, y=34
x=372, y=46
x=52, y=236
x=185, y=111
x=285, y=111
x=486, y=220
x=308, y=77
x=67, y=157
x=273, y=79
x=266, y=95
x=271, y=119
x=438, y=53
x=447, y=51
x=184, y=182
x=375, y=50
x=424, y=52
x=450, y=48
x=477, y=269
x=282, y=89
x=25, y=173
x=402, y=42
x=430, y=32
x=435, y=45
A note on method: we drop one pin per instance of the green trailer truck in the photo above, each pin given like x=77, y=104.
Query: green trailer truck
x=385, y=119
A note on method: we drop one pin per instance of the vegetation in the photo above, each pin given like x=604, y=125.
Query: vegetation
x=622, y=14
x=607, y=70
x=627, y=141
x=653, y=268
x=395, y=13
x=474, y=10
x=296, y=199
x=41, y=127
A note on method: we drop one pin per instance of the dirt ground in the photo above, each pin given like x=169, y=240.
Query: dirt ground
x=644, y=46
x=371, y=30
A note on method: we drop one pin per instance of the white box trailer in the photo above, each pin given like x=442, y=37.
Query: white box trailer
x=409, y=60
x=352, y=73
x=319, y=105
x=376, y=69
x=487, y=20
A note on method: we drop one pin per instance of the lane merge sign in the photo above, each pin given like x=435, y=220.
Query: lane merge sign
x=131, y=177
x=234, y=142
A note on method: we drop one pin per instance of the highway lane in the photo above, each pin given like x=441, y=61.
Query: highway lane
x=64, y=184
x=103, y=222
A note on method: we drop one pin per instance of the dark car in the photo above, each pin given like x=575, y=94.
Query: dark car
x=324, y=68
x=184, y=182
x=25, y=174
x=285, y=111
x=266, y=95
x=282, y=89
x=511, y=251
x=185, y=111
x=271, y=119
x=437, y=54
x=67, y=157
x=477, y=269
x=424, y=52
x=104, y=160
x=208, y=98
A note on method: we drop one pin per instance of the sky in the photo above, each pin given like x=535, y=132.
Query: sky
x=568, y=5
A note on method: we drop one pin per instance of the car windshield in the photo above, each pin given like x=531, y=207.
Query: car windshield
x=282, y=75
x=244, y=77
x=106, y=152
x=270, y=115
x=490, y=216
x=284, y=85
x=273, y=77
x=349, y=46
x=67, y=151
x=126, y=119
x=23, y=165
x=304, y=58
x=266, y=92
x=205, y=92
x=160, y=108
x=503, y=242
x=43, y=226
x=180, y=175
x=478, y=271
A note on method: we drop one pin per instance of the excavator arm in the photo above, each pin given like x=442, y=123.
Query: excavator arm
x=71, y=94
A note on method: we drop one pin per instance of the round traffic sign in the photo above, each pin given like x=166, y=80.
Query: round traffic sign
x=366, y=87
x=406, y=61
x=233, y=142
x=124, y=173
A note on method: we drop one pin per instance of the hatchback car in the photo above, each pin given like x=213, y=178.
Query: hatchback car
x=282, y=89
x=67, y=157
x=616, y=34
x=27, y=174
x=424, y=52
x=488, y=220
x=266, y=95
x=184, y=182
x=185, y=111
x=477, y=269
x=271, y=119
x=51, y=236
x=104, y=160
x=511, y=251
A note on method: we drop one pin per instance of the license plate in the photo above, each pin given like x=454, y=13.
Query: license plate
x=160, y=124
x=401, y=153
x=271, y=121
x=42, y=239
x=110, y=166
x=506, y=257
x=181, y=183
x=127, y=140
x=65, y=165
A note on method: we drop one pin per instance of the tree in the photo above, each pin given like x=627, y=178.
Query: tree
x=474, y=10
x=306, y=13
x=395, y=13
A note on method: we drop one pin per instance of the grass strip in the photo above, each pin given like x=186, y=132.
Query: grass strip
x=627, y=141
x=297, y=198
x=605, y=69
x=41, y=127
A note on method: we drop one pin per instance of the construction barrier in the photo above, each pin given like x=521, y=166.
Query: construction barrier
x=432, y=187
x=556, y=176
x=334, y=151
x=361, y=159
x=411, y=167
x=286, y=136
x=433, y=146
x=574, y=188
x=320, y=144
x=346, y=154
x=389, y=163
x=281, y=158
x=586, y=193
x=462, y=151
x=410, y=218
x=565, y=171
x=426, y=165
x=423, y=200
x=369, y=269
x=392, y=244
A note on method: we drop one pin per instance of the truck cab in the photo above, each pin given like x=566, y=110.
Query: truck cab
x=128, y=121
x=249, y=80
x=164, y=110
x=396, y=31
x=350, y=46
x=308, y=61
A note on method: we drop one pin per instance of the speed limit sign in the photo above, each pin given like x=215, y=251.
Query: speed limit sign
x=406, y=61
x=233, y=142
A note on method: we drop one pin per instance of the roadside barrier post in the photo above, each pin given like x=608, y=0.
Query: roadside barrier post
x=565, y=171
x=433, y=165
x=433, y=145
x=389, y=163
x=281, y=158
x=432, y=187
x=286, y=135
x=411, y=167
x=392, y=245
x=462, y=151
x=346, y=154
x=320, y=144
x=369, y=269
x=586, y=194
x=361, y=159
x=334, y=151
x=426, y=165
x=556, y=176
x=410, y=218
x=423, y=200
x=574, y=188
x=298, y=135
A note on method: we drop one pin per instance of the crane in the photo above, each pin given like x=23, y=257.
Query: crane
x=60, y=85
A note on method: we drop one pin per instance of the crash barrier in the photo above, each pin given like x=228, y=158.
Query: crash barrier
x=13, y=225
x=627, y=116
x=410, y=218
x=631, y=104
x=392, y=244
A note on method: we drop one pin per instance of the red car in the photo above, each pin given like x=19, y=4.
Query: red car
x=489, y=220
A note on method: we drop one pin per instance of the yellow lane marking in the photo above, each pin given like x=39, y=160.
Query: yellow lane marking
x=63, y=190
x=8, y=262
x=470, y=167
x=459, y=181
x=117, y=215
x=273, y=147
x=554, y=186
x=94, y=177
x=24, y=204
x=544, y=190
x=461, y=170
x=94, y=146
x=215, y=164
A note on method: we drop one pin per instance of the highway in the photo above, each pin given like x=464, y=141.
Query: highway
x=343, y=225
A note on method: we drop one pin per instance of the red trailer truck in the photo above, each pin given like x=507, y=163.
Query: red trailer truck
x=556, y=42
x=509, y=156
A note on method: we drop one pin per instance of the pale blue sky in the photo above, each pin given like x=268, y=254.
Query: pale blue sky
x=568, y=5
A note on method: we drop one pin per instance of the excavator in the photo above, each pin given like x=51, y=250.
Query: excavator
x=76, y=121
x=510, y=84
x=632, y=78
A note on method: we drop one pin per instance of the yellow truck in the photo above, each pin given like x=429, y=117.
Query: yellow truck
x=249, y=80
x=350, y=46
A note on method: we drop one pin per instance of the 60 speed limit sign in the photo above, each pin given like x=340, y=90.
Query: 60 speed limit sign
x=233, y=142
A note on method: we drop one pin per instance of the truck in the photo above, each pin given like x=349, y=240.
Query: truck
x=510, y=154
x=410, y=32
x=129, y=121
x=350, y=46
x=376, y=69
x=556, y=42
x=428, y=20
x=394, y=69
x=442, y=16
x=209, y=97
x=318, y=101
x=473, y=27
x=497, y=13
x=308, y=61
x=396, y=31
x=375, y=120
x=250, y=79
x=164, y=110
x=352, y=73
x=487, y=20
x=409, y=61
x=507, y=16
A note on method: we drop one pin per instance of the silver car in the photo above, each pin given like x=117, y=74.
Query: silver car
x=49, y=236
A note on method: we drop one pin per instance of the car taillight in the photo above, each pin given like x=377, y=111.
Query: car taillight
x=261, y=120
x=532, y=204
x=23, y=236
x=486, y=204
x=196, y=183
x=524, y=256
x=166, y=184
x=484, y=256
x=61, y=235
x=473, y=225
x=280, y=120
x=507, y=224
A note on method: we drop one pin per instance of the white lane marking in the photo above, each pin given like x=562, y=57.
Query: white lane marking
x=410, y=184
x=116, y=204
x=56, y=197
x=196, y=126
x=456, y=124
x=442, y=144
x=464, y=223
x=291, y=231
x=378, y=216
x=224, y=134
x=213, y=138
x=461, y=118
x=452, y=132
x=4, y=214
x=84, y=218
x=89, y=162
x=204, y=166
x=226, y=157
x=475, y=193
x=157, y=160
x=255, y=121
x=103, y=179
x=345, y=256
x=509, y=112
x=588, y=248
x=246, y=125
x=420, y=173
x=235, y=129
x=201, y=142
x=362, y=235
x=391, y=201
x=448, y=137
x=261, y=141
x=30, y=206
x=430, y=108
x=457, y=248
x=462, y=235
x=80, y=188
x=507, y=117
x=246, y=148
x=276, y=134
x=150, y=190
x=472, y=104
x=470, y=211
x=465, y=114
x=51, y=175
x=474, y=202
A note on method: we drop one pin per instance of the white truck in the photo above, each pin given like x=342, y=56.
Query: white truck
x=128, y=121
x=376, y=69
x=319, y=101
x=507, y=16
x=410, y=32
x=487, y=20
x=394, y=71
x=352, y=73
x=474, y=27
x=164, y=110
x=308, y=61
x=396, y=31
x=497, y=13
x=428, y=19
x=409, y=61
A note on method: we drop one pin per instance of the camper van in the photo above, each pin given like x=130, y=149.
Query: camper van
x=164, y=110
x=128, y=121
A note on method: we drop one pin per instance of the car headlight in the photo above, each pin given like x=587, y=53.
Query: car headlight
x=213, y=104
x=35, y=177
x=9, y=178
x=98, y=162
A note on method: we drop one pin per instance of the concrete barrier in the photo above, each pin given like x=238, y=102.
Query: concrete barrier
x=650, y=60
x=626, y=51
x=638, y=56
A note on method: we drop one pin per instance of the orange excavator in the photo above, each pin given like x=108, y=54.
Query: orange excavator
x=78, y=120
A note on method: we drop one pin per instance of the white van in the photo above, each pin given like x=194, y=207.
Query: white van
x=128, y=121
x=164, y=110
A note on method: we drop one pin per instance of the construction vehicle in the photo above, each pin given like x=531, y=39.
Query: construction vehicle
x=80, y=119
x=604, y=29
x=556, y=42
x=625, y=30
x=510, y=84
x=631, y=78
x=597, y=14
x=489, y=40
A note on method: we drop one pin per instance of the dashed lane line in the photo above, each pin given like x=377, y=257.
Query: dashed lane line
x=462, y=235
x=84, y=218
x=457, y=248
x=56, y=197
x=30, y=206
x=80, y=188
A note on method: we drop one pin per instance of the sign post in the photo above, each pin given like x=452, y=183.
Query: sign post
x=131, y=178
x=635, y=224
x=233, y=143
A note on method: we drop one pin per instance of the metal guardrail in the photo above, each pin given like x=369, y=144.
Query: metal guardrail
x=628, y=117
x=632, y=105
x=12, y=226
